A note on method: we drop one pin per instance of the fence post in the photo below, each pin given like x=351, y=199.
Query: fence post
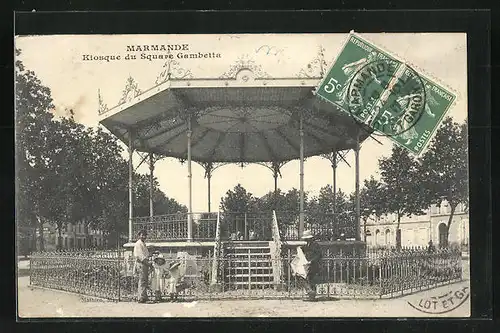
x=380, y=276
x=288, y=272
x=120, y=261
x=249, y=272
x=328, y=272
x=31, y=258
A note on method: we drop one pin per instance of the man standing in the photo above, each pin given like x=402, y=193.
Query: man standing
x=312, y=252
x=141, y=255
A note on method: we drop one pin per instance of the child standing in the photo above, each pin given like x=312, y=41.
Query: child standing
x=158, y=282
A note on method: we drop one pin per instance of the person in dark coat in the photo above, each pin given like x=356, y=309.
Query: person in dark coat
x=431, y=248
x=312, y=252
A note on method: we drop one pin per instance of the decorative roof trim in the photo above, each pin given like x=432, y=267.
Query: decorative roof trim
x=243, y=63
x=130, y=92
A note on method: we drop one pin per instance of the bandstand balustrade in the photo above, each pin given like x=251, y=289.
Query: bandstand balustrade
x=174, y=227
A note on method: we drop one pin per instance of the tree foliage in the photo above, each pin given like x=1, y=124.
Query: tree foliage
x=401, y=189
x=443, y=168
x=371, y=201
x=70, y=173
x=238, y=200
x=33, y=125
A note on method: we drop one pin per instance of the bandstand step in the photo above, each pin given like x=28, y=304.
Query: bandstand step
x=253, y=261
x=247, y=244
x=251, y=254
x=252, y=275
x=253, y=268
x=253, y=282
x=248, y=264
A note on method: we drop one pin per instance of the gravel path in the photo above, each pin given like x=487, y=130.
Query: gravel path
x=36, y=303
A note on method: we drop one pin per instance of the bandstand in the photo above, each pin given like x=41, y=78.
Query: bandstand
x=244, y=116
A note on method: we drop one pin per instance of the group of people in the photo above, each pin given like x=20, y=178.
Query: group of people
x=164, y=276
x=305, y=266
x=239, y=236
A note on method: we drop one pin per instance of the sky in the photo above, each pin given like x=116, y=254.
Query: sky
x=58, y=62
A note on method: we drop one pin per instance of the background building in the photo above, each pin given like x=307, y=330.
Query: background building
x=74, y=236
x=418, y=230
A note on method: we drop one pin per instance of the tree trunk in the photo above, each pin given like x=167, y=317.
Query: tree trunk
x=398, y=233
x=364, y=229
x=88, y=242
x=450, y=219
x=59, y=237
x=40, y=239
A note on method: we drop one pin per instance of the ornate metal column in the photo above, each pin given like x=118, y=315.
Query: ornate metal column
x=208, y=174
x=358, y=214
x=275, y=168
x=130, y=185
x=190, y=183
x=301, y=215
x=276, y=172
x=151, y=185
x=335, y=157
x=334, y=183
x=209, y=169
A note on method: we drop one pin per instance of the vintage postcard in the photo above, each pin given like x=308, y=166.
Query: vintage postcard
x=242, y=175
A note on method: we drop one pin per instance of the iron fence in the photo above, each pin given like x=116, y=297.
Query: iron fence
x=110, y=275
x=325, y=226
x=88, y=272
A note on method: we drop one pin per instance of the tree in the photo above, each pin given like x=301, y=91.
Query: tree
x=70, y=173
x=68, y=170
x=107, y=203
x=324, y=205
x=238, y=200
x=287, y=205
x=34, y=123
x=235, y=206
x=371, y=201
x=443, y=168
x=401, y=191
x=330, y=218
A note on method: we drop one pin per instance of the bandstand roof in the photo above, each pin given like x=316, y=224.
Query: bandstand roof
x=242, y=118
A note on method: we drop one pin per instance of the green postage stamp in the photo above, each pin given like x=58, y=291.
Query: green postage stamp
x=385, y=94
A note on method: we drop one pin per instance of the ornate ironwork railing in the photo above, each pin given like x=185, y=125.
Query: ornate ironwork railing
x=92, y=273
x=205, y=226
x=109, y=275
x=325, y=226
x=172, y=227
x=162, y=227
x=236, y=225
